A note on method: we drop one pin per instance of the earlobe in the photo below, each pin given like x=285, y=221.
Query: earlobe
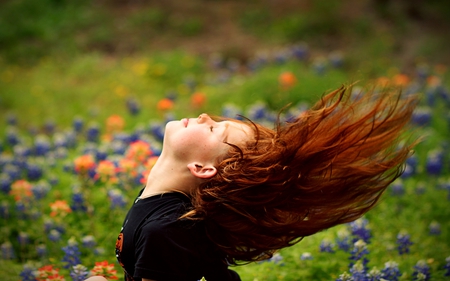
x=203, y=172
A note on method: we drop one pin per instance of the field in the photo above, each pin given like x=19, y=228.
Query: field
x=81, y=126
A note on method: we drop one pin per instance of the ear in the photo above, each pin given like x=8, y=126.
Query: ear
x=202, y=172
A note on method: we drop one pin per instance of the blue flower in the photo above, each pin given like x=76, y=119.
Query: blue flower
x=257, y=111
x=88, y=241
x=276, y=259
x=403, y=243
x=358, y=272
x=72, y=255
x=326, y=246
x=390, y=271
x=133, y=106
x=359, y=253
x=421, y=271
x=77, y=124
x=397, y=188
x=40, y=189
x=4, y=210
x=345, y=277
x=434, y=162
x=343, y=240
x=447, y=266
x=421, y=116
x=79, y=272
x=41, y=250
x=7, y=251
x=360, y=230
x=306, y=256
x=300, y=51
x=435, y=228
x=42, y=145
x=34, y=171
x=93, y=133
x=23, y=238
x=116, y=198
x=12, y=136
x=374, y=275
x=54, y=235
x=78, y=202
x=5, y=183
x=27, y=273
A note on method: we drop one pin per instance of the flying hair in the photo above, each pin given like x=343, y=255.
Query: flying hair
x=328, y=166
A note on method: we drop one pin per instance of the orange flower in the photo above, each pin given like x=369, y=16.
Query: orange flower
x=47, y=272
x=128, y=166
x=106, y=171
x=198, y=99
x=114, y=123
x=165, y=104
x=383, y=81
x=287, y=79
x=60, y=208
x=139, y=151
x=433, y=81
x=21, y=189
x=84, y=163
x=104, y=269
x=401, y=80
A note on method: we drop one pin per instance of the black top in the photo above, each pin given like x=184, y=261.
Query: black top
x=155, y=244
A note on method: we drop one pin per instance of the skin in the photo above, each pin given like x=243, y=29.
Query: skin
x=191, y=148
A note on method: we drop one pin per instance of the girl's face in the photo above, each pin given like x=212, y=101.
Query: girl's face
x=203, y=139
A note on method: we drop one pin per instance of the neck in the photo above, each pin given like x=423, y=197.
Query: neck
x=167, y=176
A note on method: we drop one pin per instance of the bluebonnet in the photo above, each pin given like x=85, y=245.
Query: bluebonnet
x=79, y=272
x=54, y=235
x=306, y=256
x=231, y=111
x=72, y=255
x=420, y=188
x=413, y=162
x=345, y=277
x=40, y=189
x=11, y=119
x=257, y=111
x=77, y=124
x=99, y=251
x=34, y=172
x=421, y=116
x=93, y=133
x=22, y=151
x=7, y=251
x=360, y=230
x=391, y=271
x=133, y=106
x=359, y=253
x=435, y=228
x=397, y=188
x=319, y=66
x=421, y=271
x=157, y=131
x=49, y=126
x=42, y=145
x=358, y=272
x=434, y=162
x=343, y=240
x=27, y=273
x=403, y=243
x=23, y=238
x=118, y=147
x=116, y=198
x=300, y=51
x=326, y=246
x=41, y=250
x=5, y=183
x=447, y=266
x=336, y=59
x=78, y=202
x=277, y=258
x=60, y=140
x=21, y=210
x=4, y=210
x=88, y=241
x=12, y=136
x=374, y=275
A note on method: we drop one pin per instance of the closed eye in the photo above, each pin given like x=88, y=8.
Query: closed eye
x=211, y=128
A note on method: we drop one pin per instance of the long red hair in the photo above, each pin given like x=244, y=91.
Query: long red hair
x=328, y=166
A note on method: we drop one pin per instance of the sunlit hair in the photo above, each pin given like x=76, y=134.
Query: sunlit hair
x=328, y=166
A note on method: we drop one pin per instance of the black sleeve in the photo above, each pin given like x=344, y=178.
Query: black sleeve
x=175, y=250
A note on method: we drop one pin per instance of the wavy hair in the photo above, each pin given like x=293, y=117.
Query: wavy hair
x=327, y=167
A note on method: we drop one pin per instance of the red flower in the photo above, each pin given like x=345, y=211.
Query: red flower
x=60, y=208
x=139, y=151
x=287, y=80
x=47, y=272
x=84, y=163
x=106, y=171
x=114, y=123
x=21, y=189
x=104, y=269
x=198, y=99
x=165, y=104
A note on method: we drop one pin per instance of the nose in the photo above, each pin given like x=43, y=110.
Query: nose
x=203, y=118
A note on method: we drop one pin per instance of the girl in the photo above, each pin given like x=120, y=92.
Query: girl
x=228, y=191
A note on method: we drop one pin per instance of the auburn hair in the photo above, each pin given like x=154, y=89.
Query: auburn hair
x=328, y=166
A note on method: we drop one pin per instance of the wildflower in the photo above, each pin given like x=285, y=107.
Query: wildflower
x=257, y=111
x=93, y=133
x=403, y=243
x=60, y=208
x=104, y=269
x=421, y=271
x=114, y=123
x=41, y=145
x=164, y=104
x=7, y=251
x=117, y=199
x=23, y=238
x=231, y=111
x=139, y=151
x=374, y=275
x=300, y=51
x=287, y=80
x=72, y=255
x=435, y=228
x=157, y=131
x=198, y=99
x=34, y=171
x=13, y=171
x=398, y=188
x=390, y=271
x=77, y=124
x=5, y=183
x=447, y=266
x=277, y=258
x=421, y=116
x=78, y=202
x=106, y=171
x=128, y=167
x=84, y=163
x=4, y=210
x=21, y=189
x=88, y=241
x=434, y=162
x=47, y=272
x=343, y=240
x=420, y=188
x=358, y=272
x=306, y=256
x=12, y=136
x=359, y=252
x=40, y=189
x=319, y=66
x=133, y=106
x=54, y=235
x=345, y=277
x=336, y=59
x=41, y=250
x=326, y=246
x=27, y=273
x=79, y=272
x=359, y=228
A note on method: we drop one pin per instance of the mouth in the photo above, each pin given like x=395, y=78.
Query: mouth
x=185, y=122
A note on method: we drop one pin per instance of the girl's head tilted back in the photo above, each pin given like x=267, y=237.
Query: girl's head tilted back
x=328, y=166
